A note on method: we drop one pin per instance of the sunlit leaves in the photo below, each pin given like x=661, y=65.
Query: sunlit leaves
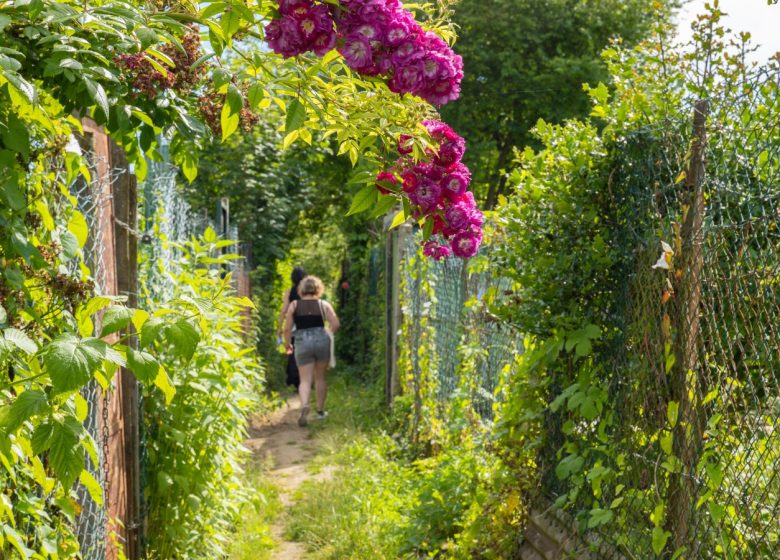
x=116, y=318
x=71, y=361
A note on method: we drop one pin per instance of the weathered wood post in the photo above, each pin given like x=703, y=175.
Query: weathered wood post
x=125, y=193
x=686, y=382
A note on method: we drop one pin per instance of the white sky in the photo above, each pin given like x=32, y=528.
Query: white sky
x=755, y=16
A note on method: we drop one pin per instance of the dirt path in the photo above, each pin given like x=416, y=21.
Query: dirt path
x=286, y=449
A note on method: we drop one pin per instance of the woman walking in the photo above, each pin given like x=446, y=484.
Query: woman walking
x=309, y=315
x=293, y=377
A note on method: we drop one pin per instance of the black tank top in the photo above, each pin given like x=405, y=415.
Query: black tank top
x=294, y=294
x=308, y=315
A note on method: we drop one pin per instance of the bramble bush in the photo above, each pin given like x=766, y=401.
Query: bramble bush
x=194, y=489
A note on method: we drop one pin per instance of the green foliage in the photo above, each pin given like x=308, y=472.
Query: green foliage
x=599, y=383
x=194, y=489
x=527, y=61
x=252, y=539
x=60, y=59
x=383, y=502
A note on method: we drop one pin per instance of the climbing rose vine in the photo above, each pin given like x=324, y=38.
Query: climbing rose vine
x=376, y=38
x=439, y=190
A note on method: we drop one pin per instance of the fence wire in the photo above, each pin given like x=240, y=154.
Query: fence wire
x=434, y=297
x=692, y=369
x=91, y=524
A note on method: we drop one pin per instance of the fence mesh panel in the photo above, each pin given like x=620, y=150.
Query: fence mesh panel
x=434, y=298
x=692, y=367
x=91, y=525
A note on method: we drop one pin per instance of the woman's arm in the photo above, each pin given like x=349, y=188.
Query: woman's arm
x=330, y=315
x=288, y=324
x=283, y=314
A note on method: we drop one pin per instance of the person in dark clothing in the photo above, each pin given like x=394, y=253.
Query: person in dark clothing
x=293, y=376
x=313, y=342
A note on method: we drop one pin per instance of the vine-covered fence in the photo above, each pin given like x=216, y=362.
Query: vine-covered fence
x=111, y=205
x=660, y=438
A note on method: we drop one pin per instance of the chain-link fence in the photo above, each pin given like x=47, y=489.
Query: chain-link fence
x=450, y=336
x=686, y=465
x=692, y=375
x=91, y=524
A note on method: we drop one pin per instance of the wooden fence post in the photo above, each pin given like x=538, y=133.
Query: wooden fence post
x=126, y=251
x=686, y=382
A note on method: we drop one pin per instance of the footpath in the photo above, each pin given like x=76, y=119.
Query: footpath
x=287, y=451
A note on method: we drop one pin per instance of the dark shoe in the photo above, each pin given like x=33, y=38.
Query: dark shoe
x=303, y=420
x=321, y=415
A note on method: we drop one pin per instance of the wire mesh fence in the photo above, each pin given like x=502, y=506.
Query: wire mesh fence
x=687, y=465
x=446, y=318
x=92, y=521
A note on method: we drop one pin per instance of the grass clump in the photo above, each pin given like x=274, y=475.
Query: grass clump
x=386, y=501
x=252, y=539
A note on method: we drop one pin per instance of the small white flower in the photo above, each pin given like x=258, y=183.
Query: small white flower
x=73, y=146
x=665, y=260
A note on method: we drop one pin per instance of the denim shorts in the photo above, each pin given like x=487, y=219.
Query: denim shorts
x=312, y=345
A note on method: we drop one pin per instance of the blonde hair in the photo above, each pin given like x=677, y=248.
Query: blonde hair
x=311, y=286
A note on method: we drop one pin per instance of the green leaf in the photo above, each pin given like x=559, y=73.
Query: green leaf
x=234, y=98
x=672, y=412
x=255, y=95
x=81, y=406
x=296, y=116
x=364, y=199
x=147, y=37
x=229, y=121
x=150, y=331
x=116, y=318
x=659, y=540
x=428, y=229
x=16, y=541
x=97, y=94
x=385, y=204
x=20, y=340
x=24, y=407
x=77, y=225
x=9, y=181
x=230, y=22
x=144, y=365
x=41, y=438
x=599, y=517
x=71, y=361
x=183, y=337
x=666, y=440
x=163, y=382
x=92, y=485
x=15, y=136
x=400, y=218
x=189, y=165
x=22, y=86
x=70, y=245
x=66, y=457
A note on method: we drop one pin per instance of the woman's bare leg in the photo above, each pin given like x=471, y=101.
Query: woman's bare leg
x=320, y=384
x=304, y=389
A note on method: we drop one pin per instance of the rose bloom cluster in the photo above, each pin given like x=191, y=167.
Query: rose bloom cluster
x=302, y=26
x=376, y=38
x=439, y=191
x=381, y=38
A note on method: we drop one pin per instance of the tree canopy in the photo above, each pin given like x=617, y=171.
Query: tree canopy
x=527, y=60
